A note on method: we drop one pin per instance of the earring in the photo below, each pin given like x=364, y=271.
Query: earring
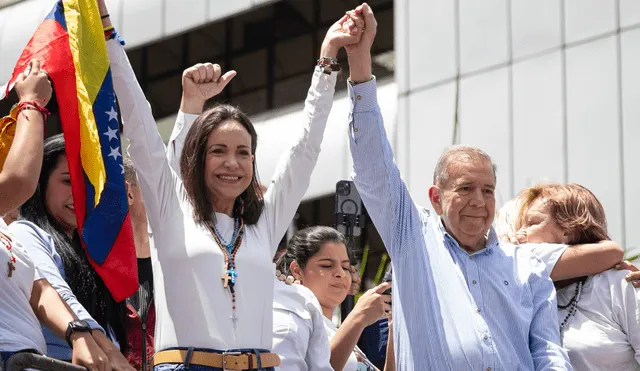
x=240, y=207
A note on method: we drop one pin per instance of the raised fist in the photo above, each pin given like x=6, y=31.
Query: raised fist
x=33, y=85
x=204, y=81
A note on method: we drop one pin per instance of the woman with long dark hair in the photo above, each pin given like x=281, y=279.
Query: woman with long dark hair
x=48, y=231
x=27, y=297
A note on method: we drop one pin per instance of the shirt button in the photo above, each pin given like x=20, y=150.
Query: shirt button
x=359, y=97
x=506, y=283
x=355, y=130
x=474, y=282
x=488, y=368
x=485, y=336
x=478, y=310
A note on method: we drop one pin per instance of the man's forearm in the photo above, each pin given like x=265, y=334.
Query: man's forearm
x=360, y=68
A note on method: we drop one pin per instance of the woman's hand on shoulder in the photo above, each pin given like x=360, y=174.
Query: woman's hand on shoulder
x=634, y=276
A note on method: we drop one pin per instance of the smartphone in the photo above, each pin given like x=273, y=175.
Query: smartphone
x=387, y=278
x=348, y=209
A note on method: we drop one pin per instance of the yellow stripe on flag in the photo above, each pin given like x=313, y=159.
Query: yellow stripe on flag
x=89, y=51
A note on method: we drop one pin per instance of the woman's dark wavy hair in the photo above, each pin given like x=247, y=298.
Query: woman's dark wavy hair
x=306, y=243
x=192, y=166
x=83, y=280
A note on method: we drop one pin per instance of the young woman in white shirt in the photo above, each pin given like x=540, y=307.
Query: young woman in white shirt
x=318, y=258
x=215, y=236
x=28, y=298
x=598, y=314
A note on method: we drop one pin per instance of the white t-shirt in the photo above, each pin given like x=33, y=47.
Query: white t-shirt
x=352, y=363
x=299, y=336
x=604, y=333
x=19, y=327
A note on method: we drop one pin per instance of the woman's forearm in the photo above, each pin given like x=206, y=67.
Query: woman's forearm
x=345, y=340
x=50, y=309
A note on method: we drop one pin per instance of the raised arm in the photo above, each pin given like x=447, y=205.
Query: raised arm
x=377, y=177
x=21, y=169
x=159, y=184
x=292, y=175
x=199, y=84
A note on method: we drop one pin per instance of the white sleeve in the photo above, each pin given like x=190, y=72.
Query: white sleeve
x=549, y=253
x=302, y=344
x=293, y=173
x=158, y=182
x=290, y=340
x=626, y=309
x=184, y=121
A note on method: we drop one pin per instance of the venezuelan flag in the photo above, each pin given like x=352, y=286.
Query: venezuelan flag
x=71, y=47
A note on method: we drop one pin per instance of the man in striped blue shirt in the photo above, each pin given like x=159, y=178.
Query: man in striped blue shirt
x=463, y=300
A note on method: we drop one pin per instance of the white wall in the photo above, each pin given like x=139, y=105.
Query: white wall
x=540, y=110
x=140, y=21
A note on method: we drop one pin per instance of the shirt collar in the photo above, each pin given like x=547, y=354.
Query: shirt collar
x=492, y=239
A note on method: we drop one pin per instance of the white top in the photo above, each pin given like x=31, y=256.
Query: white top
x=604, y=334
x=352, y=363
x=19, y=327
x=299, y=337
x=193, y=308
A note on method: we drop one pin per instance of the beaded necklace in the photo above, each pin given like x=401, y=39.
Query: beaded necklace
x=229, y=251
x=572, y=307
x=11, y=264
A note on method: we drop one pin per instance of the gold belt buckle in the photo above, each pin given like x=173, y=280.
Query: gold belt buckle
x=224, y=362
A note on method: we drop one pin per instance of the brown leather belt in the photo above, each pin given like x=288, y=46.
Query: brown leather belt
x=225, y=361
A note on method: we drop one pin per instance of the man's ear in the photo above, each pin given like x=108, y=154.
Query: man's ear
x=129, y=193
x=435, y=196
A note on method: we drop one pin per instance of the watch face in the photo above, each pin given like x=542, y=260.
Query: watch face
x=80, y=325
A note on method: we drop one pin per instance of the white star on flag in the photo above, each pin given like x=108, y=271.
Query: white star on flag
x=115, y=152
x=113, y=114
x=111, y=133
x=122, y=169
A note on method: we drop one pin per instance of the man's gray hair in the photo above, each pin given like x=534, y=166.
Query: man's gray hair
x=130, y=175
x=456, y=154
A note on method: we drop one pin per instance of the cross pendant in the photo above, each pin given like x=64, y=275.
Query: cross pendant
x=225, y=280
x=12, y=267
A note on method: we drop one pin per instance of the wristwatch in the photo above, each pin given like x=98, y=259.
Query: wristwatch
x=76, y=326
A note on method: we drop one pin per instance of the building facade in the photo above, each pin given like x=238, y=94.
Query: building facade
x=548, y=88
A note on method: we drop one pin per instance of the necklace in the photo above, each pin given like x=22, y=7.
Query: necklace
x=229, y=251
x=11, y=264
x=572, y=307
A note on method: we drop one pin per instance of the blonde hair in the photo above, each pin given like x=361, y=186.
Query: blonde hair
x=574, y=208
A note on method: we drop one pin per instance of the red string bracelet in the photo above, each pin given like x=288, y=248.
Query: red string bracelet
x=33, y=105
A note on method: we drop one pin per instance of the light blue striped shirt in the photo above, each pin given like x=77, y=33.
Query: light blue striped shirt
x=491, y=310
